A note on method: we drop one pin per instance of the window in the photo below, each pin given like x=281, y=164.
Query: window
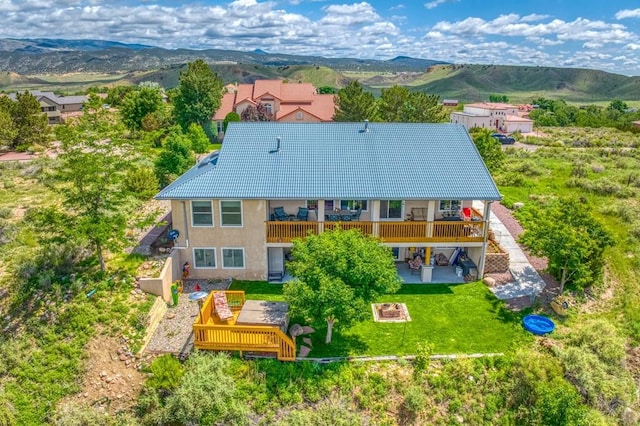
x=204, y=257
x=201, y=213
x=450, y=205
x=328, y=205
x=299, y=115
x=268, y=108
x=390, y=209
x=233, y=258
x=353, y=204
x=312, y=204
x=230, y=213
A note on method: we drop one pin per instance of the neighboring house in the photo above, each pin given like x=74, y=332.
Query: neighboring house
x=636, y=124
x=450, y=102
x=492, y=115
x=56, y=107
x=296, y=102
x=413, y=185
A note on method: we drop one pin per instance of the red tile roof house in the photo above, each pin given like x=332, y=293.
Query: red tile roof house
x=289, y=102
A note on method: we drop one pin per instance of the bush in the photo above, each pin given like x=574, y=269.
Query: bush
x=327, y=413
x=79, y=415
x=142, y=182
x=166, y=373
x=414, y=400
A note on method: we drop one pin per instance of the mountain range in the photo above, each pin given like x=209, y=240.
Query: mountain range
x=26, y=63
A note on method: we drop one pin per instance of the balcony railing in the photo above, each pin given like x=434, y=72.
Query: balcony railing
x=391, y=232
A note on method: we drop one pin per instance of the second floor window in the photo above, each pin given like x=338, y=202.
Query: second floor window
x=353, y=204
x=450, y=205
x=201, y=213
x=390, y=209
x=231, y=213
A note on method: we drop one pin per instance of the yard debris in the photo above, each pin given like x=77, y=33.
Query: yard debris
x=304, y=351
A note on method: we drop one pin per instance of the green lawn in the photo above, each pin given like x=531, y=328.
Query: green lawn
x=462, y=318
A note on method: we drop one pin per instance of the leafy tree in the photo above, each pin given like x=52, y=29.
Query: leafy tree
x=354, y=104
x=8, y=132
x=198, y=95
x=199, y=140
x=93, y=103
x=89, y=177
x=422, y=108
x=572, y=240
x=257, y=113
x=116, y=95
x=232, y=116
x=142, y=182
x=391, y=103
x=489, y=148
x=338, y=275
x=498, y=98
x=327, y=90
x=138, y=104
x=617, y=105
x=29, y=124
x=176, y=157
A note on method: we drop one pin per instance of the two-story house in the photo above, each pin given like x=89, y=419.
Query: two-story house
x=492, y=115
x=291, y=102
x=423, y=189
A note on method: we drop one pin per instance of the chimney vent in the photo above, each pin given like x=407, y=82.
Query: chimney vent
x=277, y=146
x=366, y=127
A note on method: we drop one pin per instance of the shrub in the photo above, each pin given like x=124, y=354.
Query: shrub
x=142, y=182
x=414, y=400
x=166, y=373
x=423, y=356
x=79, y=415
x=327, y=413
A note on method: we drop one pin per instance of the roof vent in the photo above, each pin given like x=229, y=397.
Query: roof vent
x=366, y=127
x=277, y=146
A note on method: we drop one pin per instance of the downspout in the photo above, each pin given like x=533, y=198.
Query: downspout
x=485, y=237
x=186, y=228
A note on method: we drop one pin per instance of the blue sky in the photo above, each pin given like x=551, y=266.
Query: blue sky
x=568, y=33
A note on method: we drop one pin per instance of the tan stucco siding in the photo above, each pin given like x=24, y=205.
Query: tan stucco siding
x=251, y=237
x=299, y=116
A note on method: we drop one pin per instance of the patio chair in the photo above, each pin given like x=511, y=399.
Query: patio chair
x=415, y=265
x=356, y=215
x=333, y=217
x=280, y=214
x=221, y=307
x=303, y=214
x=345, y=217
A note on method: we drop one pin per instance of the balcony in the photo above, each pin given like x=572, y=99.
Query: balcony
x=390, y=232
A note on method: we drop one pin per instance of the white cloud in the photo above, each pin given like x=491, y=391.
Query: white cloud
x=436, y=3
x=628, y=13
x=534, y=17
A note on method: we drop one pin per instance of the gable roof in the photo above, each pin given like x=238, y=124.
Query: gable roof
x=59, y=100
x=323, y=107
x=491, y=105
x=340, y=161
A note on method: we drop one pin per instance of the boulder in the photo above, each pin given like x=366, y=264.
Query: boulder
x=489, y=281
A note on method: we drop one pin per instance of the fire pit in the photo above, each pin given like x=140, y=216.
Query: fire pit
x=390, y=312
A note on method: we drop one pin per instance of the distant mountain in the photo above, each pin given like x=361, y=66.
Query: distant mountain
x=37, y=56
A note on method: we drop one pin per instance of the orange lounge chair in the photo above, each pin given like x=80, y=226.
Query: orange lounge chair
x=221, y=306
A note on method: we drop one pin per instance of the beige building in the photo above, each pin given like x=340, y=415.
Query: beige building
x=492, y=115
x=56, y=107
x=238, y=211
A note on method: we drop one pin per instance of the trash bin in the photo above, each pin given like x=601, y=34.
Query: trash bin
x=458, y=271
x=174, y=293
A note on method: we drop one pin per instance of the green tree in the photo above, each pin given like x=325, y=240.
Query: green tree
x=138, y=104
x=89, y=178
x=116, y=95
x=617, y=105
x=197, y=96
x=489, y=148
x=199, y=140
x=8, y=132
x=391, y=103
x=571, y=239
x=422, y=108
x=353, y=103
x=338, y=275
x=498, y=98
x=232, y=116
x=327, y=90
x=30, y=124
x=175, y=158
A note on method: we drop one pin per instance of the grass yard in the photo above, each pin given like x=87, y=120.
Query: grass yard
x=462, y=318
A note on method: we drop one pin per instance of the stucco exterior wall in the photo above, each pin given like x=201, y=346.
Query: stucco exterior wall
x=251, y=237
x=299, y=116
x=471, y=121
x=514, y=126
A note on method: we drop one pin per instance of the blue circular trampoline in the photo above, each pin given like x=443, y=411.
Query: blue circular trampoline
x=538, y=325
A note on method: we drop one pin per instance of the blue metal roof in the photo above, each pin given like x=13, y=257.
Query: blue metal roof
x=340, y=161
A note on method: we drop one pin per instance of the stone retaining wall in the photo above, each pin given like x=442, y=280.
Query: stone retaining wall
x=496, y=262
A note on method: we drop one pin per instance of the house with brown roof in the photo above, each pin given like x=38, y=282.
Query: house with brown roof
x=492, y=115
x=290, y=102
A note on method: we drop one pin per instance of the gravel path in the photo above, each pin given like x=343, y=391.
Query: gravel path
x=175, y=332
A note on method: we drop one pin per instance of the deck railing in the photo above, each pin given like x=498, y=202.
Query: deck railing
x=208, y=334
x=391, y=232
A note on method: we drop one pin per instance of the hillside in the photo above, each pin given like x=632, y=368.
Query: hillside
x=477, y=82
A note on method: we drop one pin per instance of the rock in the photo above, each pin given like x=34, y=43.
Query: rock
x=630, y=417
x=518, y=205
x=307, y=341
x=308, y=330
x=171, y=315
x=133, y=292
x=103, y=373
x=304, y=351
x=295, y=330
x=489, y=281
x=122, y=357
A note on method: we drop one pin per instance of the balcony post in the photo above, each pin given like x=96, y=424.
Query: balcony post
x=320, y=216
x=485, y=234
x=374, y=207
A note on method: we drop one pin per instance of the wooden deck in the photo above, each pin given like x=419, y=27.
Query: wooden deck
x=390, y=232
x=225, y=335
